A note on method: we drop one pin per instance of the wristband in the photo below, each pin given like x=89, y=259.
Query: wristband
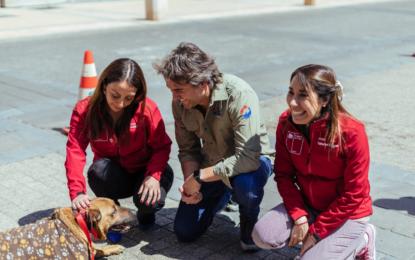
x=196, y=175
x=301, y=223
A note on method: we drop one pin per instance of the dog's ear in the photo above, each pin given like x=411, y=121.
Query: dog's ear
x=93, y=217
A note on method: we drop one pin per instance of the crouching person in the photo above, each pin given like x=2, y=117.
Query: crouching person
x=130, y=145
x=321, y=170
x=221, y=111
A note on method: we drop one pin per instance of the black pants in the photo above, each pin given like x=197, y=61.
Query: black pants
x=109, y=180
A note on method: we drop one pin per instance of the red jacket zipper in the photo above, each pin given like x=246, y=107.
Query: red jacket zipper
x=118, y=148
x=311, y=191
x=309, y=165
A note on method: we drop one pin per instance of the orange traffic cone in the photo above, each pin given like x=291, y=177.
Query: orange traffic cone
x=89, y=80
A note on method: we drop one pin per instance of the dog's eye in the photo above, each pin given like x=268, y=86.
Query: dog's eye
x=115, y=211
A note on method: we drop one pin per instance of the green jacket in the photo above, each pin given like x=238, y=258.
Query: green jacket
x=233, y=132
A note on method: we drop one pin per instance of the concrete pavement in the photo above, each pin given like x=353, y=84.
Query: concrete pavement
x=368, y=45
x=76, y=17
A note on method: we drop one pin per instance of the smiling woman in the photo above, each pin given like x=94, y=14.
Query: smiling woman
x=321, y=169
x=127, y=135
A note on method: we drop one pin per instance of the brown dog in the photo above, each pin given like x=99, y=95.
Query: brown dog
x=59, y=237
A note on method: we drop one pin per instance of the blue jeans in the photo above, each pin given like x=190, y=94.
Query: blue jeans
x=192, y=220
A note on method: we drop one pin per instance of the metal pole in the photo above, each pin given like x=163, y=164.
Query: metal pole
x=311, y=2
x=156, y=10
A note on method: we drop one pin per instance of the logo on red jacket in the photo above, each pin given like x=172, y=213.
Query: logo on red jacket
x=294, y=142
x=245, y=112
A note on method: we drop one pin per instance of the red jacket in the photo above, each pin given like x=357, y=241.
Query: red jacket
x=338, y=188
x=154, y=154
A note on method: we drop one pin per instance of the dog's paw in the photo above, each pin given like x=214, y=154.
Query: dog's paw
x=120, y=249
x=109, y=250
x=115, y=249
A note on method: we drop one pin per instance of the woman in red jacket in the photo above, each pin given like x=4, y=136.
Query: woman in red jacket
x=130, y=145
x=321, y=169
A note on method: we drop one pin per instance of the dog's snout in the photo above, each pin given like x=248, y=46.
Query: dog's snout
x=134, y=212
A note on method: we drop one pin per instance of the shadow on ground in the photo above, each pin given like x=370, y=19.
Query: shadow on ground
x=402, y=204
x=35, y=216
x=221, y=240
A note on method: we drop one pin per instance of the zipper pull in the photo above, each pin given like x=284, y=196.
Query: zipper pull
x=308, y=158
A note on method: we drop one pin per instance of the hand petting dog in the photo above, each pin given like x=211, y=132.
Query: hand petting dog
x=81, y=202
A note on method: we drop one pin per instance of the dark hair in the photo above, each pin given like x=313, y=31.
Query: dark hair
x=322, y=80
x=98, y=114
x=190, y=64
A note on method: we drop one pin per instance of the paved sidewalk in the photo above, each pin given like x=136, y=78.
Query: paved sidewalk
x=76, y=17
x=39, y=78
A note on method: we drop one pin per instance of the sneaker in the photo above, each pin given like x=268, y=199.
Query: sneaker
x=369, y=252
x=114, y=237
x=232, y=206
x=146, y=220
x=247, y=243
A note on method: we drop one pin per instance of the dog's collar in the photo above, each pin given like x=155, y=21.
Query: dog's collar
x=81, y=222
x=84, y=218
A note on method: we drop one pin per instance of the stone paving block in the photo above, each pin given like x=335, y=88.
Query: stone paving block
x=4, y=107
x=231, y=250
x=176, y=166
x=4, y=161
x=38, y=107
x=390, y=258
x=10, y=112
x=271, y=200
x=10, y=141
x=394, y=245
x=24, y=94
x=399, y=188
x=289, y=252
x=379, y=255
x=175, y=252
x=410, y=178
x=403, y=205
x=386, y=171
x=12, y=125
x=22, y=80
x=24, y=153
x=174, y=191
x=52, y=141
x=275, y=256
x=248, y=257
x=261, y=254
x=271, y=184
x=13, y=101
x=33, y=133
x=69, y=103
x=56, y=118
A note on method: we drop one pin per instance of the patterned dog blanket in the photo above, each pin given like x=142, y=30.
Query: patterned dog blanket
x=47, y=239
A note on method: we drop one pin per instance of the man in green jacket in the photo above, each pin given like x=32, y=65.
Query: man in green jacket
x=234, y=159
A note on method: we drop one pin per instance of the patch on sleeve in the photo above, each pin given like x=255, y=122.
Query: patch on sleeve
x=246, y=112
x=217, y=113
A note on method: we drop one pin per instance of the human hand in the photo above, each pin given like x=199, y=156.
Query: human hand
x=193, y=199
x=81, y=202
x=150, y=187
x=190, y=186
x=298, y=233
x=310, y=241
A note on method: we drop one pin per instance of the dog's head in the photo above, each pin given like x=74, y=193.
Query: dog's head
x=105, y=216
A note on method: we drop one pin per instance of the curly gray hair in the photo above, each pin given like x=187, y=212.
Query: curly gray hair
x=190, y=64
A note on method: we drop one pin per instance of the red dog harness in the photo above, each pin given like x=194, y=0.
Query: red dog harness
x=80, y=218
